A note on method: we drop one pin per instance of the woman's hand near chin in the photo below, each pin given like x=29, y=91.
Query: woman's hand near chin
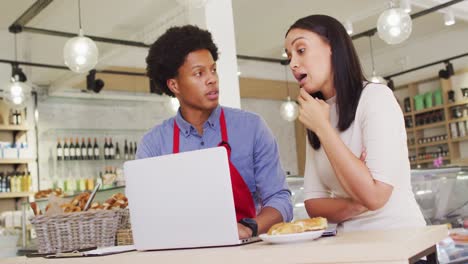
x=313, y=113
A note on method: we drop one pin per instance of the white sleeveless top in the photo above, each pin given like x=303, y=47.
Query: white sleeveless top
x=379, y=129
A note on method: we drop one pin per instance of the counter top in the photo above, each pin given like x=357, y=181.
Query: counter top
x=389, y=247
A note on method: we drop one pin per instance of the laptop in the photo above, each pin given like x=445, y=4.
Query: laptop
x=182, y=200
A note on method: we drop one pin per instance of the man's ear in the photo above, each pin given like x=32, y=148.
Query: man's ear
x=173, y=86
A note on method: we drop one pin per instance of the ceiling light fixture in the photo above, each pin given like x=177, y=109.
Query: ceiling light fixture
x=448, y=71
x=17, y=93
x=375, y=78
x=173, y=104
x=390, y=84
x=289, y=109
x=449, y=18
x=406, y=5
x=349, y=27
x=394, y=25
x=93, y=84
x=80, y=53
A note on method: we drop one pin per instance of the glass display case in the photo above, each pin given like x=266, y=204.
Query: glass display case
x=442, y=194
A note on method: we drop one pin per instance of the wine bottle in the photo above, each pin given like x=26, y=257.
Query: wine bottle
x=111, y=149
x=72, y=150
x=117, y=150
x=66, y=150
x=106, y=149
x=90, y=150
x=84, y=150
x=96, y=150
x=131, y=150
x=78, y=149
x=134, y=150
x=125, y=150
x=59, y=150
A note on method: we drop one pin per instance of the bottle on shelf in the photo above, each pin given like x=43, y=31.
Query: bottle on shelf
x=90, y=150
x=96, y=150
x=18, y=118
x=2, y=183
x=131, y=151
x=126, y=150
x=66, y=150
x=78, y=150
x=84, y=150
x=59, y=150
x=72, y=150
x=117, y=150
x=134, y=150
x=106, y=149
x=11, y=117
x=111, y=149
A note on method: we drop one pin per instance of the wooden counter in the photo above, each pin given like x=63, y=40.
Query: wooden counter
x=389, y=247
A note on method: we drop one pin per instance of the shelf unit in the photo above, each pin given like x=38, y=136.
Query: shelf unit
x=13, y=134
x=451, y=144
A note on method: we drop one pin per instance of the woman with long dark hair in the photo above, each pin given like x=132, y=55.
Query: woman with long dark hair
x=357, y=169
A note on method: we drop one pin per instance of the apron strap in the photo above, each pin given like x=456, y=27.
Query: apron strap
x=175, y=144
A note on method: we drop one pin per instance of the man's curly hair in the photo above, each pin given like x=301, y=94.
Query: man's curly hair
x=169, y=51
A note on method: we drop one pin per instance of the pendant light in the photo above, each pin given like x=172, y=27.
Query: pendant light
x=288, y=109
x=173, y=104
x=394, y=25
x=80, y=53
x=375, y=78
x=17, y=93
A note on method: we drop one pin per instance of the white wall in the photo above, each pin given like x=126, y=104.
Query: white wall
x=284, y=131
x=61, y=118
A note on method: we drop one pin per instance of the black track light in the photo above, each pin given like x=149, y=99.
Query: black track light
x=17, y=71
x=390, y=84
x=153, y=88
x=93, y=84
x=449, y=71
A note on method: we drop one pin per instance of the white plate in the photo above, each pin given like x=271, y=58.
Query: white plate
x=290, y=238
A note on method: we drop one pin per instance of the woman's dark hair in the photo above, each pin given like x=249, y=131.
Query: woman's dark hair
x=348, y=77
x=169, y=51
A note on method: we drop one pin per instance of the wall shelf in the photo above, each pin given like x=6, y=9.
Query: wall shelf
x=457, y=103
x=433, y=125
x=459, y=139
x=13, y=128
x=9, y=195
x=431, y=160
x=16, y=161
x=435, y=143
x=426, y=110
x=454, y=120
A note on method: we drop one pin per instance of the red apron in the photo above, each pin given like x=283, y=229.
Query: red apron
x=243, y=201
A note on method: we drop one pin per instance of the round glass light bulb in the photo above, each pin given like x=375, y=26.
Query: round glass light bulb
x=289, y=110
x=80, y=54
x=16, y=94
x=394, y=26
x=173, y=104
x=377, y=79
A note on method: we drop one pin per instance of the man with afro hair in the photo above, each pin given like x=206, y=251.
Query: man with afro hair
x=182, y=63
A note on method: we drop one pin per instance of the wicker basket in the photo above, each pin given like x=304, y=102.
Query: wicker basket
x=124, y=222
x=74, y=231
x=124, y=233
x=124, y=237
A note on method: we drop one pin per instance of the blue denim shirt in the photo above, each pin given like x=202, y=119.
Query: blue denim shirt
x=254, y=152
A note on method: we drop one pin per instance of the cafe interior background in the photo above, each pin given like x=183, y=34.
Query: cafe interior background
x=78, y=113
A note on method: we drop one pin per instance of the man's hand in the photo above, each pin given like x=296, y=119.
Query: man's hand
x=244, y=232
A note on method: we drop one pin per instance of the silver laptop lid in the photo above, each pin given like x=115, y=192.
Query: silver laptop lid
x=181, y=200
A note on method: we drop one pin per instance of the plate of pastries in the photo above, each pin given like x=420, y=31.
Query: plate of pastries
x=295, y=231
